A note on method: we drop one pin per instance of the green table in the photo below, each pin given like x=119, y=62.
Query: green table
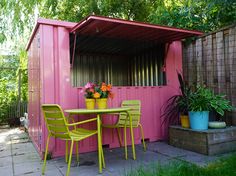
x=98, y=112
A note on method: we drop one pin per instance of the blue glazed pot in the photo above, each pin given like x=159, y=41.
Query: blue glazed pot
x=199, y=120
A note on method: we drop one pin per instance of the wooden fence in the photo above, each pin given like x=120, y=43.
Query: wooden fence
x=211, y=60
x=13, y=111
x=17, y=110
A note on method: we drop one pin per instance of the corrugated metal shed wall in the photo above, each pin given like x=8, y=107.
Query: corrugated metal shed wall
x=142, y=69
x=146, y=68
x=98, y=68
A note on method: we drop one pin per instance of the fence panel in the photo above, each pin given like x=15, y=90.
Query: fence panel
x=17, y=110
x=211, y=60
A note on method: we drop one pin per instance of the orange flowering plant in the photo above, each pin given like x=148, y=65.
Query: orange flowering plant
x=103, y=90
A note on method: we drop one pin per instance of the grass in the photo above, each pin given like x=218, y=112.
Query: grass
x=223, y=167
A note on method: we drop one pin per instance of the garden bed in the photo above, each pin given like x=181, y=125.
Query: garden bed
x=208, y=142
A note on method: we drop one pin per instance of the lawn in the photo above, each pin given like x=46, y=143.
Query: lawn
x=224, y=167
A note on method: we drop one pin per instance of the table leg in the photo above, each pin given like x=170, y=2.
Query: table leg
x=132, y=136
x=99, y=143
x=103, y=160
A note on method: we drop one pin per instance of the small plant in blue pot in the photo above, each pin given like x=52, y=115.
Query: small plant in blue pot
x=201, y=102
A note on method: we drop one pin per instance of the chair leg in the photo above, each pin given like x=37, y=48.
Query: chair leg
x=144, y=145
x=125, y=141
x=45, y=155
x=66, y=155
x=132, y=139
x=77, y=151
x=119, y=136
x=69, y=162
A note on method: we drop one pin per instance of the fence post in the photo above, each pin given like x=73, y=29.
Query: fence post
x=19, y=94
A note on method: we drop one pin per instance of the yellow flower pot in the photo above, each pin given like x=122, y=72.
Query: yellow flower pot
x=101, y=103
x=184, y=119
x=90, y=103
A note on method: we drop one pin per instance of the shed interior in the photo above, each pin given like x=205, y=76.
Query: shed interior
x=120, y=62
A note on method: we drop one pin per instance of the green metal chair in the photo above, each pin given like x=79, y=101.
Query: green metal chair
x=135, y=112
x=58, y=127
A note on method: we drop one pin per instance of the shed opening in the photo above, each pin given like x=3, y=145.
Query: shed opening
x=119, y=62
x=121, y=52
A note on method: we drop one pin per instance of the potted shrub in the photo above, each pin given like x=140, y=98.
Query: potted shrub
x=201, y=101
x=176, y=106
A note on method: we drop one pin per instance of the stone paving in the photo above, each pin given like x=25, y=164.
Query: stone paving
x=18, y=157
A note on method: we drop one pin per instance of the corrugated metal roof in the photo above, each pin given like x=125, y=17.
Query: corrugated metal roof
x=130, y=30
x=104, y=35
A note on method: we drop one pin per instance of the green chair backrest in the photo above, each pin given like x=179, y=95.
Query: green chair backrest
x=135, y=112
x=55, y=121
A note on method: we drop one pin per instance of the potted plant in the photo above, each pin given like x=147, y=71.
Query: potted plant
x=201, y=101
x=89, y=90
x=102, y=93
x=99, y=92
x=176, y=106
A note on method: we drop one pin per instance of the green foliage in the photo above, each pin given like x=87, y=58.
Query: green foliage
x=8, y=66
x=193, y=98
x=176, y=104
x=17, y=16
x=203, y=99
x=200, y=99
x=75, y=10
x=22, y=56
x=222, y=167
x=11, y=66
x=201, y=15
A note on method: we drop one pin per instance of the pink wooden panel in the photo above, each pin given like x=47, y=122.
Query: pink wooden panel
x=173, y=64
x=34, y=118
x=47, y=75
x=152, y=98
x=65, y=93
x=55, y=77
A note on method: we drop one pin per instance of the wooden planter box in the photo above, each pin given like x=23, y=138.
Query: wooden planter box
x=208, y=142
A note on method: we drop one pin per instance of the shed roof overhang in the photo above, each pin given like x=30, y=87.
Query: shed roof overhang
x=97, y=34
x=133, y=30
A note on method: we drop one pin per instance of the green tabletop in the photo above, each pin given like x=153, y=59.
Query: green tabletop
x=96, y=111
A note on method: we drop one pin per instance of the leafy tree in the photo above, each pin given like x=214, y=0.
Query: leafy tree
x=75, y=10
x=17, y=18
x=206, y=15
x=8, y=66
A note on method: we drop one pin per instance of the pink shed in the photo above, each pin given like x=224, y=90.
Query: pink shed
x=55, y=47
